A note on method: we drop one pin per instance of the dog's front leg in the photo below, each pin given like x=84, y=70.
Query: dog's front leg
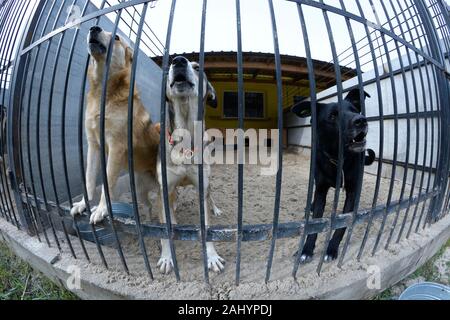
x=215, y=210
x=320, y=197
x=215, y=262
x=165, y=263
x=116, y=161
x=333, y=245
x=92, y=168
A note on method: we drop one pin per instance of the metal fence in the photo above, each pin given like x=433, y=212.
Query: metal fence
x=403, y=53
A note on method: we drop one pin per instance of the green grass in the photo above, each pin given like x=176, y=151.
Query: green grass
x=18, y=281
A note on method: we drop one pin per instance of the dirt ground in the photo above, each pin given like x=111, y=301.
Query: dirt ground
x=258, y=209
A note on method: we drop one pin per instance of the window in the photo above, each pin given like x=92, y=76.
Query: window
x=253, y=105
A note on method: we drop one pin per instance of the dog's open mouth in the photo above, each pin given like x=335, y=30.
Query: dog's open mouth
x=358, y=143
x=96, y=46
x=180, y=79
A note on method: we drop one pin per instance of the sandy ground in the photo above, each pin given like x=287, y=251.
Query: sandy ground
x=258, y=208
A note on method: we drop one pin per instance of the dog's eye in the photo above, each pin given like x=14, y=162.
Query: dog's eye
x=197, y=67
x=117, y=37
x=333, y=115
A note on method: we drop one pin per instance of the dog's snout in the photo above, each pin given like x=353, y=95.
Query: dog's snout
x=359, y=121
x=179, y=61
x=95, y=29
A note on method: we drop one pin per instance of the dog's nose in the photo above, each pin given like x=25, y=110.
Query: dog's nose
x=359, y=121
x=179, y=61
x=95, y=29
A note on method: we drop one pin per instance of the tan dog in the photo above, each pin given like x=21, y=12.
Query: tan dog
x=145, y=134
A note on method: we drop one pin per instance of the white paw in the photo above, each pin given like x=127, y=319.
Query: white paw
x=165, y=264
x=305, y=258
x=98, y=214
x=78, y=208
x=217, y=212
x=216, y=263
x=327, y=259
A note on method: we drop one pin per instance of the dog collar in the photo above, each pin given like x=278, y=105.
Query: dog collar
x=189, y=153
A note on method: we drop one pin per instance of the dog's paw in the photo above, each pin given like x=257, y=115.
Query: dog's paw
x=332, y=254
x=165, y=264
x=78, y=208
x=216, y=263
x=98, y=214
x=304, y=258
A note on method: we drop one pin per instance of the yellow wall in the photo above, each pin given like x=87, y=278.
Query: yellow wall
x=215, y=119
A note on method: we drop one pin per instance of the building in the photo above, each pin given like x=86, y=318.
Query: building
x=259, y=85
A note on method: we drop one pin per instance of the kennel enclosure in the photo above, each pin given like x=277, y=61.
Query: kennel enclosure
x=397, y=50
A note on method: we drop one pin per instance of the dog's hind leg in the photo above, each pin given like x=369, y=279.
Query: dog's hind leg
x=92, y=168
x=320, y=197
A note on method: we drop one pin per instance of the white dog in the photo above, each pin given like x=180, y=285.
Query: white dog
x=182, y=95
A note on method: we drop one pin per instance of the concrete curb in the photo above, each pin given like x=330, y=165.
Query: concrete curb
x=336, y=285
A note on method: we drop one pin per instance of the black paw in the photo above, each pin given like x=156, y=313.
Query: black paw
x=332, y=254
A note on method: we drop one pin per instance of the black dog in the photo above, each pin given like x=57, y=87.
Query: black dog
x=354, y=139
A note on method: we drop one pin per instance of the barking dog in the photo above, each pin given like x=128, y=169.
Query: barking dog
x=182, y=95
x=145, y=134
x=354, y=140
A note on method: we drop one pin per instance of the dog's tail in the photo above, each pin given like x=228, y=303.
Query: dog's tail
x=370, y=157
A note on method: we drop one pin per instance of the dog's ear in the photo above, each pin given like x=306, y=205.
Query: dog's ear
x=129, y=52
x=303, y=109
x=211, y=98
x=354, y=97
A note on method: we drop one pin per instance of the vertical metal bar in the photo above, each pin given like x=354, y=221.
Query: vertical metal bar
x=381, y=132
x=430, y=171
x=340, y=163
x=103, y=170
x=380, y=102
x=362, y=99
x=30, y=166
x=395, y=106
x=4, y=20
x=14, y=114
x=408, y=124
x=200, y=115
x=131, y=145
x=441, y=177
x=165, y=195
x=81, y=161
x=312, y=168
x=240, y=153
x=27, y=218
x=38, y=119
x=422, y=178
x=279, y=176
x=80, y=139
x=33, y=212
x=13, y=16
x=422, y=83
x=63, y=130
x=49, y=131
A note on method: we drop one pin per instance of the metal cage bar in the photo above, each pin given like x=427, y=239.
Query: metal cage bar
x=415, y=32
